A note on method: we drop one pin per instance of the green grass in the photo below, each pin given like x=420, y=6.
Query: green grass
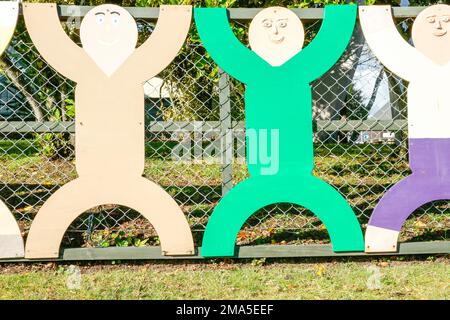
x=225, y=279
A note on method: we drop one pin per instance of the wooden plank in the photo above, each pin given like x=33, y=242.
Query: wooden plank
x=247, y=14
x=226, y=133
x=35, y=126
x=66, y=11
x=240, y=14
x=69, y=126
x=242, y=252
x=204, y=126
x=179, y=126
x=318, y=250
x=361, y=125
x=407, y=12
x=120, y=253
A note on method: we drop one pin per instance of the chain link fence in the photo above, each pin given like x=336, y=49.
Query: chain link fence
x=194, y=119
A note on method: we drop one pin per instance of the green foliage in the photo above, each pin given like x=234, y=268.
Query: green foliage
x=55, y=145
x=259, y=262
x=121, y=238
x=58, y=145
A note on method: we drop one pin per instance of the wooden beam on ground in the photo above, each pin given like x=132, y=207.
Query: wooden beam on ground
x=242, y=252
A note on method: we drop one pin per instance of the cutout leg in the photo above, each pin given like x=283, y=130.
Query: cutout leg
x=144, y=196
x=169, y=221
x=255, y=193
x=396, y=206
x=56, y=215
x=11, y=241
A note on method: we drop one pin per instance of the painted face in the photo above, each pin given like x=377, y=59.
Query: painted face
x=431, y=33
x=276, y=34
x=109, y=35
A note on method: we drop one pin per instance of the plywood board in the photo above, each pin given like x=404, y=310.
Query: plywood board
x=9, y=12
x=428, y=100
x=278, y=116
x=11, y=242
x=431, y=33
x=276, y=34
x=109, y=121
x=426, y=66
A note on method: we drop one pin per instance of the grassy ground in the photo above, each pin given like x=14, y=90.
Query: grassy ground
x=221, y=279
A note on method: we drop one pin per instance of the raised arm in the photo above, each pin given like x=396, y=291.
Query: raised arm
x=9, y=11
x=52, y=42
x=329, y=44
x=388, y=45
x=163, y=45
x=223, y=46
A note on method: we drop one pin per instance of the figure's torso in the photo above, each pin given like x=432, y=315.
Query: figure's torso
x=429, y=106
x=109, y=129
x=282, y=111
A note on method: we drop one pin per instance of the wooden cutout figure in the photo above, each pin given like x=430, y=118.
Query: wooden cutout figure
x=277, y=74
x=11, y=241
x=427, y=69
x=109, y=121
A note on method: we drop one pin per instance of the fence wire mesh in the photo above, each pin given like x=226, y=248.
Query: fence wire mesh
x=360, y=142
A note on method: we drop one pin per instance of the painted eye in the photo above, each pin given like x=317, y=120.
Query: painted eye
x=431, y=19
x=445, y=19
x=267, y=24
x=100, y=18
x=282, y=24
x=115, y=19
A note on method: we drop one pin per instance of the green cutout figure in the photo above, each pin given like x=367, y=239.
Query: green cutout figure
x=278, y=100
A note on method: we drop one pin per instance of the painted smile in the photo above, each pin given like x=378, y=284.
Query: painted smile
x=439, y=33
x=276, y=38
x=108, y=43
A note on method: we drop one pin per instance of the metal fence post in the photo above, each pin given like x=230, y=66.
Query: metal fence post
x=226, y=133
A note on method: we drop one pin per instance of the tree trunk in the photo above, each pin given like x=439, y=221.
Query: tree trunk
x=14, y=76
x=373, y=97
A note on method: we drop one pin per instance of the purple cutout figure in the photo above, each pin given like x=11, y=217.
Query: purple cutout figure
x=426, y=67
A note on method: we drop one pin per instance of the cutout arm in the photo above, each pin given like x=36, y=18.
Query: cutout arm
x=44, y=28
x=388, y=45
x=163, y=45
x=9, y=12
x=330, y=42
x=223, y=46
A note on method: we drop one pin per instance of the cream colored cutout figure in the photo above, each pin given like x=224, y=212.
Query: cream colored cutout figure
x=11, y=241
x=109, y=143
x=276, y=34
x=426, y=67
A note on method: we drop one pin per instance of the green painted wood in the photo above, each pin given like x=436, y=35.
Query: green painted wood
x=278, y=104
x=242, y=252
